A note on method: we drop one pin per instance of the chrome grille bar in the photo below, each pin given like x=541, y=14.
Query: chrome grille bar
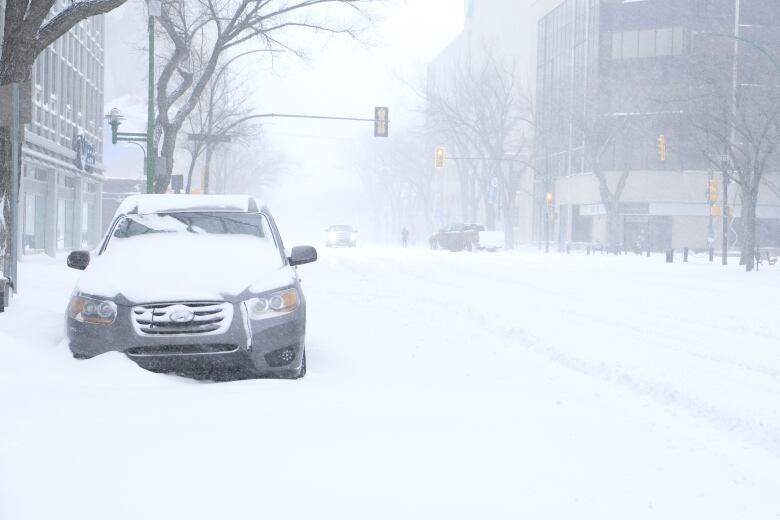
x=189, y=318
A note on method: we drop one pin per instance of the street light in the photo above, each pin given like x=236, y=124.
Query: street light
x=114, y=119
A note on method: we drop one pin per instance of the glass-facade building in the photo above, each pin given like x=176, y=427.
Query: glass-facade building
x=613, y=76
x=62, y=171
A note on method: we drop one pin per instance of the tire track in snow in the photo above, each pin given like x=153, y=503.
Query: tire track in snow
x=751, y=431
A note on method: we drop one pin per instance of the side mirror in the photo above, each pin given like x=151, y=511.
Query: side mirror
x=78, y=260
x=302, y=255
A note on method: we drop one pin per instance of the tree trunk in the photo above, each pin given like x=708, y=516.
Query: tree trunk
x=463, y=182
x=613, y=225
x=209, y=179
x=509, y=223
x=748, y=254
x=6, y=218
x=490, y=215
x=190, y=171
x=167, y=151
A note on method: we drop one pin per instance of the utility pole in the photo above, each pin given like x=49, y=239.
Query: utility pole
x=155, y=9
x=733, y=137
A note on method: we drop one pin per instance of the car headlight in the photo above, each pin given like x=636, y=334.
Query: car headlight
x=333, y=237
x=90, y=310
x=353, y=237
x=275, y=304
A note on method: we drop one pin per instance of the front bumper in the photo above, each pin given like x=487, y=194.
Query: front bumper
x=270, y=347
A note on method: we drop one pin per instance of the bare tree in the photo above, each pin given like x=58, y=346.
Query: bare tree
x=29, y=27
x=488, y=117
x=217, y=28
x=739, y=130
x=220, y=111
x=244, y=169
x=600, y=133
x=399, y=182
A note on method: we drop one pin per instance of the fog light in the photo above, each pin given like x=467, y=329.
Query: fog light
x=281, y=357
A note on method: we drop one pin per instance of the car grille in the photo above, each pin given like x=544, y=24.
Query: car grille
x=341, y=236
x=171, y=319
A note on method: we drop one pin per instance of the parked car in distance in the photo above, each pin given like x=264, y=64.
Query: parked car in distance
x=197, y=285
x=467, y=237
x=341, y=236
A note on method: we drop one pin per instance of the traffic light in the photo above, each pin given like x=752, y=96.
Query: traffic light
x=381, y=121
x=712, y=191
x=661, y=146
x=439, y=157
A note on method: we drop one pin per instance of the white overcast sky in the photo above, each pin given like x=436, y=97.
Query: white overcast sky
x=343, y=78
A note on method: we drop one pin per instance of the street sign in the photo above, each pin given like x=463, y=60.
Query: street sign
x=381, y=121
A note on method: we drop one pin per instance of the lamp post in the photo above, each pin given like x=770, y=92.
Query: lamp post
x=115, y=117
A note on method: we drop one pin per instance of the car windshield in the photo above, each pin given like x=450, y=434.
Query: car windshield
x=200, y=223
x=340, y=228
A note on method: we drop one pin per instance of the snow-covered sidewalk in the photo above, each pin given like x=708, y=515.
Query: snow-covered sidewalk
x=440, y=385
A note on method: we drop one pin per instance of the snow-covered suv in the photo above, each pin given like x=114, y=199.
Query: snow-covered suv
x=199, y=285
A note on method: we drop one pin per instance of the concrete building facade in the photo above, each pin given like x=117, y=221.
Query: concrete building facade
x=62, y=173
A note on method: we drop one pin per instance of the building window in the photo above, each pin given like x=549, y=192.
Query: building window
x=64, y=224
x=646, y=43
x=664, y=42
x=630, y=48
x=34, y=222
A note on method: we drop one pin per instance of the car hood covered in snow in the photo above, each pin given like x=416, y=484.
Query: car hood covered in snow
x=185, y=267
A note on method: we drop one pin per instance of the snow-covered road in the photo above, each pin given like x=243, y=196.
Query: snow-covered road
x=440, y=385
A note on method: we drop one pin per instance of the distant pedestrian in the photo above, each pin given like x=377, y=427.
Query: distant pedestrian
x=404, y=237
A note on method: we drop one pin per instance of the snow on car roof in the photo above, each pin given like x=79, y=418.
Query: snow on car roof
x=163, y=203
